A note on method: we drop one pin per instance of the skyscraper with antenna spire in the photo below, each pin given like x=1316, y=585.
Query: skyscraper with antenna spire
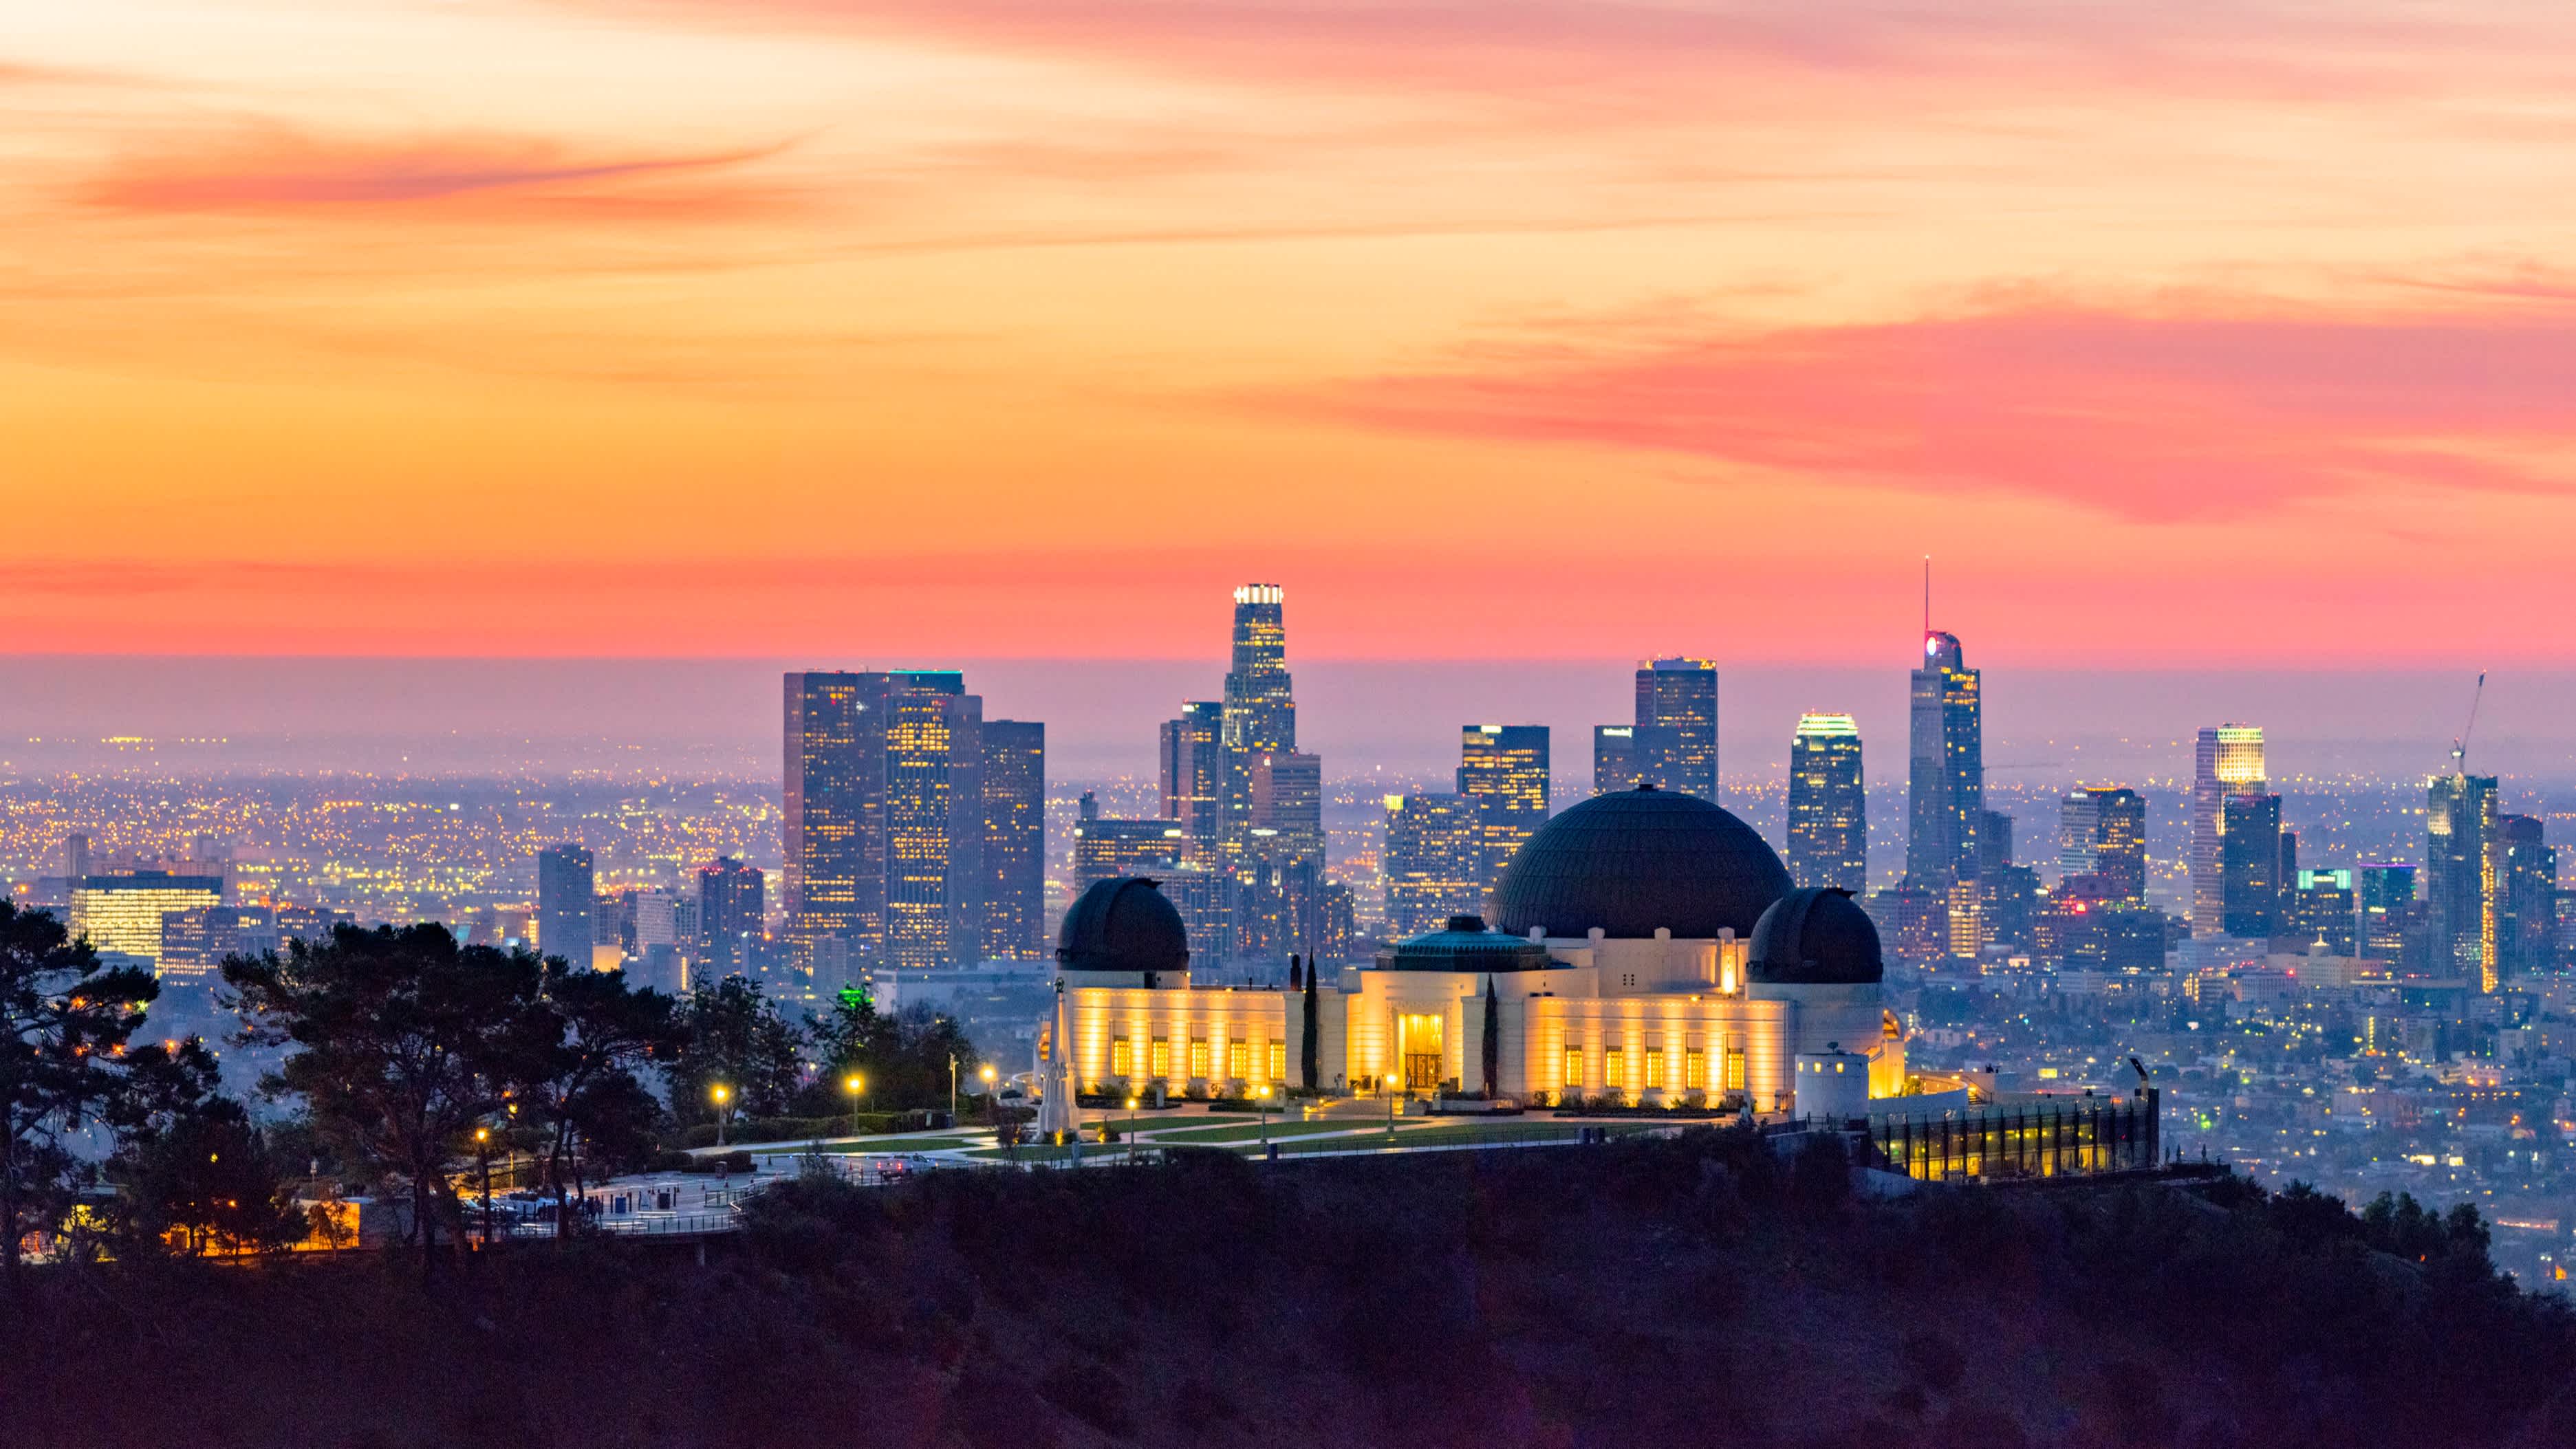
x=1946, y=772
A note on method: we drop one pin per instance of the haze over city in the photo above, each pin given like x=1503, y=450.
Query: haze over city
x=1006, y=724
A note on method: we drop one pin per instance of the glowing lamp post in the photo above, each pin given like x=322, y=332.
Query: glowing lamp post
x=854, y=1084
x=722, y=1096
x=483, y=1154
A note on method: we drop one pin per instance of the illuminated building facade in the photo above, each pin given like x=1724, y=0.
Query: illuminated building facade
x=1619, y=757
x=2102, y=832
x=1946, y=772
x=124, y=913
x=1288, y=799
x=1105, y=849
x=733, y=912
x=1435, y=861
x=565, y=885
x=2226, y=760
x=834, y=828
x=1259, y=715
x=1677, y=721
x=195, y=942
x=1828, y=805
x=2385, y=909
x=1503, y=769
x=2460, y=859
x=2322, y=909
x=934, y=822
x=1014, y=892
x=1192, y=754
x=1650, y=949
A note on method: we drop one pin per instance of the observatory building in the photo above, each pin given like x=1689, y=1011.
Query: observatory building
x=1644, y=947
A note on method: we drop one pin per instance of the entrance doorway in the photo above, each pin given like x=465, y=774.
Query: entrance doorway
x=1422, y=1052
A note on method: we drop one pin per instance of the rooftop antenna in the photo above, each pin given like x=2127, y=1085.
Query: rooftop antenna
x=1927, y=596
x=2460, y=746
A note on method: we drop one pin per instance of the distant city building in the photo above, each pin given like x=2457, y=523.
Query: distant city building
x=123, y=913
x=1192, y=751
x=1259, y=715
x=1014, y=840
x=2527, y=910
x=2385, y=910
x=834, y=828
x=733, y=912
x=1620, y=756
x=1828, y=804
x=564, y=908
x=1504, y=770
x=1915, y=921
x=1105, y=849
x=1288, y=797
x=1946, y=773
x=1434, y=862
x=1677, y=713
x=2102, y=832
x=2460, y=895
x=2226, y=760
x=2320, y=908
x=195, y=942
x=934, y=821
x=2250, y=861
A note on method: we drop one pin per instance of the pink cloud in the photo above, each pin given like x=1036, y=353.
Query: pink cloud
x=272, y=169
x=2142, y=417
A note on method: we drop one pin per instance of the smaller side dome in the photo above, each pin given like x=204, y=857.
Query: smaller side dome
x=1124, y=924
x=1815, y=937
x=1465, y=945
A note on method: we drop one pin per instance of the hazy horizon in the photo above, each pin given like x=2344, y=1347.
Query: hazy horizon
x=720, y=717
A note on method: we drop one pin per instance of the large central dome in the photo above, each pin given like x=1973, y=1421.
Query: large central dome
x=1636, y=860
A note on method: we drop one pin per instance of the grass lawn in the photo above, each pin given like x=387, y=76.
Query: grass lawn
x=1251, y=1132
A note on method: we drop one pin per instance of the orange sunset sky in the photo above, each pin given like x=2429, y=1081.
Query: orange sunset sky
x=2238, y=332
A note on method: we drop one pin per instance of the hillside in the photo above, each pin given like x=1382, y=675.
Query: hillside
x=1643, y=1293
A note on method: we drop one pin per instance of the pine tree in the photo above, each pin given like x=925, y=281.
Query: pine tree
x=64, y=1022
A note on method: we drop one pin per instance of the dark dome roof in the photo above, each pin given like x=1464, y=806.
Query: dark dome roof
x=1123, y=925
x=1465, y=945
x=1815, y=938
x=1636, y=860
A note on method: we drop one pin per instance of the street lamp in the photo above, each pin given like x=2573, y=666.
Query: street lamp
x=722, y=1095
x=1131, y=1129
x=483, y=1151
x=952, y=1089
x=854, y=1084
x=1261, y=1109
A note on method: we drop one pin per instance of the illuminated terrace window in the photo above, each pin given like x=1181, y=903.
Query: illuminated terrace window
x=1122, y=1057
x=1161, y=1057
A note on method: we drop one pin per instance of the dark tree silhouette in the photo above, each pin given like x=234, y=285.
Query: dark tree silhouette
x=195, y=1173
x=734, y=1037
x=1309, y=1054
x=904, y=1057
x=399, y=1041
x=64, y=1022
x=575, y=1070
x=1493, y=1044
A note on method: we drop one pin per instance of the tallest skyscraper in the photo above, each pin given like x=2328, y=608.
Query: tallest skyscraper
x=1260, y=712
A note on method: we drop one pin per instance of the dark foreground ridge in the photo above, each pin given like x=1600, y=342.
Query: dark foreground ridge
x=1680, y=1292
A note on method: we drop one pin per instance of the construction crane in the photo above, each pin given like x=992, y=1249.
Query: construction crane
x=2460, y=746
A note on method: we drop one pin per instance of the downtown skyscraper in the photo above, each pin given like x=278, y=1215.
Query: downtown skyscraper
x=2102, y=834
x=564, y=889
x=889, y=823
x=2226, y=760
x=1672, y=743
x=2461, y=860
x=1504, y=770
x=1014, y=839
x=1945, y=766
x=1191, y=752
x=1260, y=710
x=1828, y=806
